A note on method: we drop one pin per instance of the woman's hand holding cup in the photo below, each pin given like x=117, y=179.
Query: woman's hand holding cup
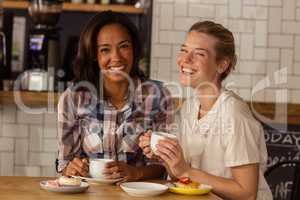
x=156, y=137
x=77, y=167
x=149, y=140
x=121, y=170
x=98, y=166
x=144, y=144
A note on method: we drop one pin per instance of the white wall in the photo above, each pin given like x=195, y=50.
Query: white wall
x=267, y=34
x=28, y=143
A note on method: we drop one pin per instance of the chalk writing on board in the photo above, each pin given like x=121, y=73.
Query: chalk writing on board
x=282, y=145
x=282, y=190
x=284, y=139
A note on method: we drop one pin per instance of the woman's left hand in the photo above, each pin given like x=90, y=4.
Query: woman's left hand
x=170, y=151
x=120, y=169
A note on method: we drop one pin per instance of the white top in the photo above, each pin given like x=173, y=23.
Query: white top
x=227, y=136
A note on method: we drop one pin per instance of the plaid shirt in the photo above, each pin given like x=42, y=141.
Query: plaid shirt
x=89, y=128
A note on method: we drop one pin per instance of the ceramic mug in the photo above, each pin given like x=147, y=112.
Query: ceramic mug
x=156, y=136
x=96, y=167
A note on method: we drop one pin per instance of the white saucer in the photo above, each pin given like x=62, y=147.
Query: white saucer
x=98, y=180
x=65, y=189
x=143, y=189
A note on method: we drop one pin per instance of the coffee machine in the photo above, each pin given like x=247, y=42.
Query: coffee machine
x=43, y=59
x=6, y=21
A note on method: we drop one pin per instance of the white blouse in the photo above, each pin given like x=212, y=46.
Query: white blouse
x=227, y=136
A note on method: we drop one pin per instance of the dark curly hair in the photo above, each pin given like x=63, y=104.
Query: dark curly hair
x=86, y=66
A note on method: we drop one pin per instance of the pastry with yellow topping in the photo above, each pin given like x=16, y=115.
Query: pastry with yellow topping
x=69, y=181
x=186, y=183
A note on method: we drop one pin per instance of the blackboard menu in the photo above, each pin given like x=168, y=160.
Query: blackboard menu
x=283, y=144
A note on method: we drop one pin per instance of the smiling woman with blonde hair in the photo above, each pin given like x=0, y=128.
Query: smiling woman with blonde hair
x=220, y=143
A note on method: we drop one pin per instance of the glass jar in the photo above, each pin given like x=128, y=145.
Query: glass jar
x=120, y=1
x=45, y=12
x=90, y=1
x=105, y=2
x=76, y=1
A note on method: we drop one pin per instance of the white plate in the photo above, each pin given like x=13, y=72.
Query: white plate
x=143, y=189
x=99, y=180
x=64, y=189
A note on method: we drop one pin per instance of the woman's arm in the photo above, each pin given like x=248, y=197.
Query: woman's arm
x=242, y=186
x=151, y=171
x=128, y=172
x=69, y=142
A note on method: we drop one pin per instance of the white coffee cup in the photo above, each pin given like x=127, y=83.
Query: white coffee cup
x=96, y=167
x=156, y=136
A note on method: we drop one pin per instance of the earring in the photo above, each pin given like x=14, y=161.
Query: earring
x=220, y=71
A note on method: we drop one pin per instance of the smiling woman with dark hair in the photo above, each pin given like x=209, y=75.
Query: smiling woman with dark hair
x=86, y=67
x=110, y=103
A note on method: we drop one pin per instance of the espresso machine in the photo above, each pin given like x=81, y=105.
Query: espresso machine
x=43, y=59
x=6, y=20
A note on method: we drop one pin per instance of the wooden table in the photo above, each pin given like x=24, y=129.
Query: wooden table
x=28, y=188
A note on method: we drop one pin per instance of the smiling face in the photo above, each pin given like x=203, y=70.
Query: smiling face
x=115, y=52
x=197, y=60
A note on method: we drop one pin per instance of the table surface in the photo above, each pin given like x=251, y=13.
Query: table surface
x=28, y=188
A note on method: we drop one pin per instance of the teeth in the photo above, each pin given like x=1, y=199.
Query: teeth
x=116, y=69
x=187, y=71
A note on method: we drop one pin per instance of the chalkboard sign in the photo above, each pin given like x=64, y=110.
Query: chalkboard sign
x=283, y=143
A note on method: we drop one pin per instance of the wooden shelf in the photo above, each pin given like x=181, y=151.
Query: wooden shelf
x=267, y=110
x=43, y=99
x=31, y=99
x=79, y=7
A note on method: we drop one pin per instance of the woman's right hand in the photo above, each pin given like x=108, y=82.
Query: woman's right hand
x=144, y=144
x=77, y=167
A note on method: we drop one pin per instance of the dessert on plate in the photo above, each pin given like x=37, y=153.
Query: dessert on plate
x=186, y=186
x=186, y=183
x=64, y=181
x=69, y=181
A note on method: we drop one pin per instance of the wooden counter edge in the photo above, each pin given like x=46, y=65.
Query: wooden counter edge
x=41, y=99
x=32, y=99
